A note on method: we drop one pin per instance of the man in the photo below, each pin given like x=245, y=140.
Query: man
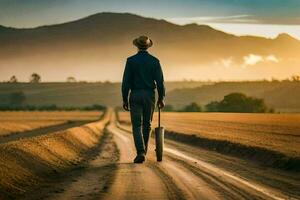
x=142, y=75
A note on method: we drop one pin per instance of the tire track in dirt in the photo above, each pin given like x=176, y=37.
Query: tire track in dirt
x=175, y=182
x=112, y=175
x=41, y=131
x=226, y=180
x=195, y=180
x=138, y=181
x=32, y=168
x=89, y=180
x=278, y=181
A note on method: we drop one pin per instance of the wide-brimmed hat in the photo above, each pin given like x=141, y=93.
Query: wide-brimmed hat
x=142, y=42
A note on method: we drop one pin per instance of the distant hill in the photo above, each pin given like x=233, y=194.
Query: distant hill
x=75, y=94
x=96, y=47
x=283, y=96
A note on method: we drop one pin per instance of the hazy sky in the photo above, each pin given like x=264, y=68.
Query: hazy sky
x=265, y=18
x=258, y=17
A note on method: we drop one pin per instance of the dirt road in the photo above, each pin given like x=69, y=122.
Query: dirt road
x=192, y=173
x=186, y=173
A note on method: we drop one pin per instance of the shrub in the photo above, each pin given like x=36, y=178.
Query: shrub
x=35, y=78
x=238, y=102
x=17, y=98
x=212, y=106
x=168, y=108
x=193, y=107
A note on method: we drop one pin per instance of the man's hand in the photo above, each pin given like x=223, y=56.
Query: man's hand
x=125, y=106
x=161, y=104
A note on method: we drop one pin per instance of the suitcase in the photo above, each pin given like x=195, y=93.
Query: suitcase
x=159, y=139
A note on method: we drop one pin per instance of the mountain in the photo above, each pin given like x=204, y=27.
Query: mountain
x=286, y=38
x=96, y=47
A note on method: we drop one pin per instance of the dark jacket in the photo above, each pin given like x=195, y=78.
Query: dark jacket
x=143, y=71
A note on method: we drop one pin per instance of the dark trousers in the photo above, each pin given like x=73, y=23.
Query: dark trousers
x=142, y=104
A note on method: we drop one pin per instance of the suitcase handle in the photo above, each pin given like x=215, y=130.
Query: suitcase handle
x=158, y=116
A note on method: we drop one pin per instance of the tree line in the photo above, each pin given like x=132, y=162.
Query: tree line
x=17, y=102
x=36, y=78
x=233, y=102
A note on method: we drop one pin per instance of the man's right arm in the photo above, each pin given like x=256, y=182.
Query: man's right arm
x=126, y=82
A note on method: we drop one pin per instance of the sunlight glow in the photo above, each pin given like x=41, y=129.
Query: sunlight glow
x=241, y=26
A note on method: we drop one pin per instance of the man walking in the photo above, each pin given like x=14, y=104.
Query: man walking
x=142, y=75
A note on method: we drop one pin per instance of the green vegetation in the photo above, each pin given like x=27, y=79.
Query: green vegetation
x=17, y=98
x=51, y=107
x=76, y=94
x=71, y=79
x=238, y=102
x=35, y=78
x=212, y=106
x=193, y=107
x=283, y=96
x=168, y=108
x=13, y=79
x=233, y=102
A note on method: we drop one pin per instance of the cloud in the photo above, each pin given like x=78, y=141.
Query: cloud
x=226, y=62
x=253, y=59
x=237, y=19
x=272, y=58
x=215, y=19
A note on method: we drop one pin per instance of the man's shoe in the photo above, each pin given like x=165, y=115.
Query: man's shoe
x=139, y=159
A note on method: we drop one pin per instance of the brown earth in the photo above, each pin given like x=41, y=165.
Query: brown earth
x=89, y=162
x=277, y=132
x=12, y=122
x=189, y=172
x=270, y=139
x=27, y=163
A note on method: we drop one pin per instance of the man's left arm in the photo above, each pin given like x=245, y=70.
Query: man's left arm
x=159, y=79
